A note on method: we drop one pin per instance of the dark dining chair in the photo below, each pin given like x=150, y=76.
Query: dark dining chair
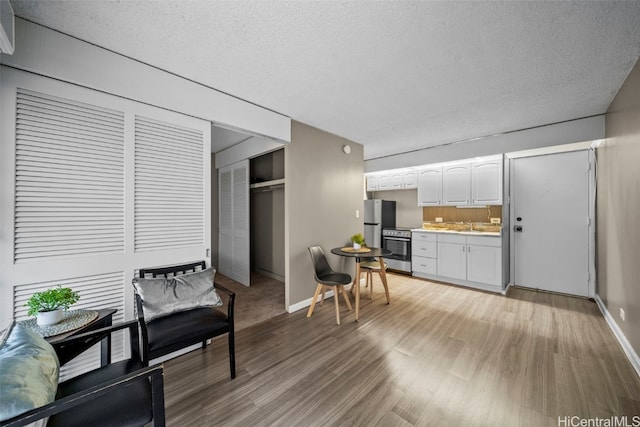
x=327, y=278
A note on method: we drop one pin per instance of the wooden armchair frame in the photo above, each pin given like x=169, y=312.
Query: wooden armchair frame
x=119, y=384
x=188, y=338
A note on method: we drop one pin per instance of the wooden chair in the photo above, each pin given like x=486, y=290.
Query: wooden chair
x=182, y=329
x=120, y=393
x=327, y=278
x=370, y=267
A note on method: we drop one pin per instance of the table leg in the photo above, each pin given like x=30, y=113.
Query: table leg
x=357, y=285
x=383, y=276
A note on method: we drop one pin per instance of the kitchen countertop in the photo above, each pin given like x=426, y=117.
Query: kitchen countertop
x=465, y=232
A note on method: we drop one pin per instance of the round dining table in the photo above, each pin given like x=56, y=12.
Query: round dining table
x=358, y=255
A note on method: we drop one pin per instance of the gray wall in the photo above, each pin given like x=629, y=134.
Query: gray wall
x=408, y=214
x=267, y=233
x=323, y=189
x=267, y=217
x=618, y=204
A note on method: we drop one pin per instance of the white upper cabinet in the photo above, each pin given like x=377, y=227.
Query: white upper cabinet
x=456, y=183
x=410, y=179
x=430, y=187
x=372, y=182
x=486, y=182
x=472, y=182
x=401, y=179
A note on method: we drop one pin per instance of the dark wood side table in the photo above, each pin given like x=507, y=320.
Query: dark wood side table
x=67, y=352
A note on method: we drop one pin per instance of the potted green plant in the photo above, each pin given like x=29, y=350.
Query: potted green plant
x=47, y=305
x=357, y=240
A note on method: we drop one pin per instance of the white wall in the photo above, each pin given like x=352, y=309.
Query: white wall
x=53, y=54
x=587, y=129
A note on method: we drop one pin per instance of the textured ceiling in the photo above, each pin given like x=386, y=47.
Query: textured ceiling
x=392, y=75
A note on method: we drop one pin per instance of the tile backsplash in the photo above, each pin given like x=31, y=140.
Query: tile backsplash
x=454, y=214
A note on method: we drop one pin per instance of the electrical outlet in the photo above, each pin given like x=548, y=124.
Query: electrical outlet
x=438, y=219
x=622, y=314
x=495, y=220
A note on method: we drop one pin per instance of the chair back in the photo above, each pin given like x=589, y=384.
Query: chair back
x=321, y=266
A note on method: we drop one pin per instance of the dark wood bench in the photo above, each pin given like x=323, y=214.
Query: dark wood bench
x=176, y=331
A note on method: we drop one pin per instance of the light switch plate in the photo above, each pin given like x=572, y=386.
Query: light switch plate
x=495, y=220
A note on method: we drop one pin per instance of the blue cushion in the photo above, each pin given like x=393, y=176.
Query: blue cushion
x=29, y=372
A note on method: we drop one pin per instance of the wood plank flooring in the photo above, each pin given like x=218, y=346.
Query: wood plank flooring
x=439, y=355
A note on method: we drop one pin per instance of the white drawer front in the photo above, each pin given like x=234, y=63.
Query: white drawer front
x=422, y=236
x=424, y=249
x=424, y=265
x=495, y=241
x=452, y=238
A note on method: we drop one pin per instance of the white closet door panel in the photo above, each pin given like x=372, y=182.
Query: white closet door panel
x=240, y=199
x=69, y=192
x=233, y=240
x=225, y=200
x=70, y=159
x=169, y=185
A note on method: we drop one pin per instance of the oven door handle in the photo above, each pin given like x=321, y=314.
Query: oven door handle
x=400, y=239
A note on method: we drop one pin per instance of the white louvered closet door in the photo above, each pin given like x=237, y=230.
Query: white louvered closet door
x=233, y=239
x=169, y=186
x=102, y=186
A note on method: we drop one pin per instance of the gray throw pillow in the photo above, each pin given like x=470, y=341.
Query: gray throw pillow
x=161, y=297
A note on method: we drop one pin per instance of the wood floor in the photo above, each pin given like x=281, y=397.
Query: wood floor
x=438, y=355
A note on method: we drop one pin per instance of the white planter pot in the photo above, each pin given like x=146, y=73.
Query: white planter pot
x=356, y=246
x=45, y=318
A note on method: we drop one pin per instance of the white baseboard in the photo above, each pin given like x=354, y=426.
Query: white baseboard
x=628, y=350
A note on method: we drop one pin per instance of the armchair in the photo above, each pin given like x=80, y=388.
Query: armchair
x=120, y=393
x=185, y=315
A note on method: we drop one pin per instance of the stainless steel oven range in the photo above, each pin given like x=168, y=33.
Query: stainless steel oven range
x=398, y=241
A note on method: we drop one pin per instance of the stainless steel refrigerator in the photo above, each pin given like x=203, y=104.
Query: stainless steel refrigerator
x=378, y=214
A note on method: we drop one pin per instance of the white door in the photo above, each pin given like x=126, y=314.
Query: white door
x=550, y=220
x=233, y=238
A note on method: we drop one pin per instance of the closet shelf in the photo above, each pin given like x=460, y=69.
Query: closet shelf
x=268, y=185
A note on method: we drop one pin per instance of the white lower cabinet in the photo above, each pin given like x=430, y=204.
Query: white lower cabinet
x=474, y=261
x=452, y=256
x=484, y=264
x=424, y=248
